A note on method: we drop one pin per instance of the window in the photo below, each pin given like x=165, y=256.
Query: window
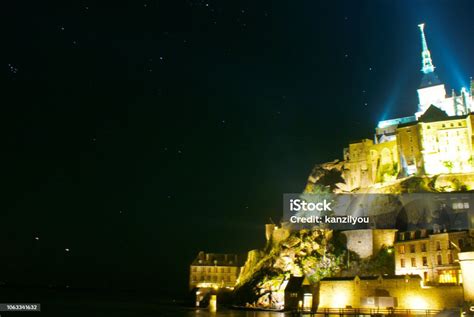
x=402, y=262
x=401, y=249
x=412, y=248
x=425, y=261
x=413, y=262
x=448, y=276
x=425, y=276
x=439, y=259
x=401, y=236
x=423, y=247
x=438, y=245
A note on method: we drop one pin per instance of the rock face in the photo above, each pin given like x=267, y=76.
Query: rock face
x=314, y=253
x=327, y=175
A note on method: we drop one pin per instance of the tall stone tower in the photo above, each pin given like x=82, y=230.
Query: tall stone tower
x=431, y=91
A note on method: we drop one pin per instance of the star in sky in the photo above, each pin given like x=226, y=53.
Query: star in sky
x=12, y=69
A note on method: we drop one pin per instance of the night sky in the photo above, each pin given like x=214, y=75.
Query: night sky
x=136, y=135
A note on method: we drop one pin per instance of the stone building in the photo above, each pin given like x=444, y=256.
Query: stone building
x=367, y=163
x=402, y=292
x=436, y=144
x=368, y=242
x=214, y=270
x=431, y=255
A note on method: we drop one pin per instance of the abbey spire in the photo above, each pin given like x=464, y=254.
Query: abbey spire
x=427, y=63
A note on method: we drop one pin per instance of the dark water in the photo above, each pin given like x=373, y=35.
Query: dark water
x=107, y=304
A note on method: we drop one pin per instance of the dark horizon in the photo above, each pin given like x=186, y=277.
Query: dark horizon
x=138, y=135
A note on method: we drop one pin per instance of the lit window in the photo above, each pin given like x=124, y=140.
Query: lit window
x=412, y=248
x=402, y=262
x=401, y=249
x=448, y=276
x=438, y=245
x=413, y=262
x=440, y=259
x=423, y=247
x=466, y=205
x=425, y=261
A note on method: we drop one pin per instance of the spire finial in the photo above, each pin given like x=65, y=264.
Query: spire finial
x=427, y=63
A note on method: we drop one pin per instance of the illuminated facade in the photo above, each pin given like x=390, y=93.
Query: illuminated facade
x=437, y=139
x=432, y=256
x=402, y=292
x=368, y=242
x=213, y=270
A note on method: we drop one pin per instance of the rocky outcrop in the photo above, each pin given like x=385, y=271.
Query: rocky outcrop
x=326, y=175
x=314, y=253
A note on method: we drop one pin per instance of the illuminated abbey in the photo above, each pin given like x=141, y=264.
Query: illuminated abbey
x=437, y=139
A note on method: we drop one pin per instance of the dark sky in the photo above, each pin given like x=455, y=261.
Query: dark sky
x=136, y=135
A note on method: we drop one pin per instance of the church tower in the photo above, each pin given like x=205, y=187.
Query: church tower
x=431, y=91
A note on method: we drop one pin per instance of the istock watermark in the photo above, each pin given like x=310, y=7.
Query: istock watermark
x=433, y=211
x=302, y=205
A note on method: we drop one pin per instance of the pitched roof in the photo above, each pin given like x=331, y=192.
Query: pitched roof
x=430, y=79
x=216, y=259
x=433, y=114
